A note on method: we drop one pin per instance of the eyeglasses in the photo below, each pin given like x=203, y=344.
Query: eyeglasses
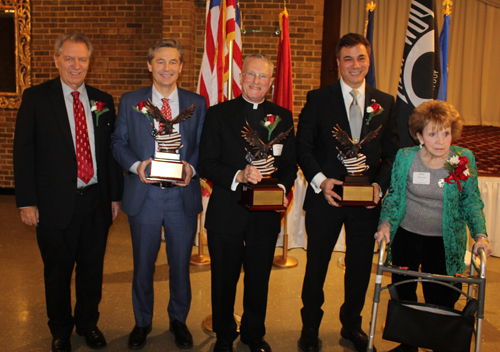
x=253, y=75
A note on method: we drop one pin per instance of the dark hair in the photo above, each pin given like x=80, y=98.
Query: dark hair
x=165, y=43
x=352, y=39
x=75, y=37
x=441, y=113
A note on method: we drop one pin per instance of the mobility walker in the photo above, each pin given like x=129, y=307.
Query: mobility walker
x=431, y=326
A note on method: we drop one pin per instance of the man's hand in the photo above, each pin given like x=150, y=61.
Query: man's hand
x=249, y=175
x=29, y=215
x=327, y=188
x=188, y=174
x=141, y=171
x=115, y=209
x=376, y=197
x=384, y=231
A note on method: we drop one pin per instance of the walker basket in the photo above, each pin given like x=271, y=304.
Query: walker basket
x=430, y=326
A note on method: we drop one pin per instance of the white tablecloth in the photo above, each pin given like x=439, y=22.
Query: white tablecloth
x=490, y=193
x=296, y=219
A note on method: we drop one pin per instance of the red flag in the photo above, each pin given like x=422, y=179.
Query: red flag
x=223, y=25
x=283, y=87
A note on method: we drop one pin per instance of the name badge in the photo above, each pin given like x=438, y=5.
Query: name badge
x=421, y=178
x=277, y=149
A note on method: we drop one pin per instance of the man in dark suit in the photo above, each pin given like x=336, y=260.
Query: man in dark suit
x=151, y=205
x=69, y=186
x=237, y=236
x=318, y=157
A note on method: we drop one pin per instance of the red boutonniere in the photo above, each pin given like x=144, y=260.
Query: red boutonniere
x=374, y=110
x=141, y=107
x=458, y=168
x=270, y=122
x=98, y=108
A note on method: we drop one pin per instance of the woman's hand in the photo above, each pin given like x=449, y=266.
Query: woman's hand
x=384, y=231
x=482, y=243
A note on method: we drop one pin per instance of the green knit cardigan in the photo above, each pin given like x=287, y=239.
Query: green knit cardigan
x=459, y=208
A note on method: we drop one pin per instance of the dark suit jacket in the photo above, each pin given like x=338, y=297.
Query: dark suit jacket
x=132, y=142
x=45, y=167
x=317, y=149
x=222, y=154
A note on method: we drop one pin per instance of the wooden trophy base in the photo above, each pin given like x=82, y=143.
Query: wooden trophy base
x=264, y=196
x=166, y=170
x=356, y=191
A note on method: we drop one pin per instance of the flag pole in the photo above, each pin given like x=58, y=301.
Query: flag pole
x=200, y=258
x=284, y=261
x=230, y=81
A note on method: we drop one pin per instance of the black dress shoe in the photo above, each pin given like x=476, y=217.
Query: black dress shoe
x=137, y=338
x=183, y=338
x=309, y=341
x=358, y=338
x=257, y=345
x=61, y=345
x=223, y=346
x=94, y=338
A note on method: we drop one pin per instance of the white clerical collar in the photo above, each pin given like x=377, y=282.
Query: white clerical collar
x=347, y=89
x=157, y=97
x=255, y=105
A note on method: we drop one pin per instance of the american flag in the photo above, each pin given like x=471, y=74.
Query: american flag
x=223, y=25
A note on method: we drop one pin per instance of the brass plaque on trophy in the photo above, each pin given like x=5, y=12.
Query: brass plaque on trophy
x=356, y=190
x=166, y=164
x=266, y=195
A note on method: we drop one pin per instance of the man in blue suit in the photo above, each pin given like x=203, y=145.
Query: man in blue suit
x=151, y=205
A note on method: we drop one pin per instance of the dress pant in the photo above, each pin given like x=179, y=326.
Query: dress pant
x=323, y=229
x=414, y=251
x=162, y=208
x=229, y=253
x=83, y=243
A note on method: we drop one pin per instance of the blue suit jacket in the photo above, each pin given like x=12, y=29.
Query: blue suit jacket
x=132, y=141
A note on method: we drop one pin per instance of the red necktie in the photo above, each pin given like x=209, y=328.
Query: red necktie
x=166, y=111
x=83, y=153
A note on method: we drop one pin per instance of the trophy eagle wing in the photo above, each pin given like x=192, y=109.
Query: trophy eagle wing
x=342, y=136
x=370, y=136
x=184, y=115
x=279, y=137
x=252, y=138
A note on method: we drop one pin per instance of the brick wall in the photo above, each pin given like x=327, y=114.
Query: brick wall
x=121, y=32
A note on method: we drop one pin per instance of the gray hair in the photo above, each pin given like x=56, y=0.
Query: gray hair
x=261, y=57
x=75, y=37
x=165, y=43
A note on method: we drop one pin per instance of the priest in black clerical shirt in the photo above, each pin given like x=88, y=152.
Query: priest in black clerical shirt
x=236, y=236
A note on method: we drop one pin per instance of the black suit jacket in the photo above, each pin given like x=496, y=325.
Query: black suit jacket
x=317, y=149
x=222, y=154
x=45, y=167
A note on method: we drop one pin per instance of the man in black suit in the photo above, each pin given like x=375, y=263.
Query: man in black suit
x=237, y=236
x=317, y=155
x=69, y=186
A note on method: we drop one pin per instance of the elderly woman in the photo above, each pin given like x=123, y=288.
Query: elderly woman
x=433, y=195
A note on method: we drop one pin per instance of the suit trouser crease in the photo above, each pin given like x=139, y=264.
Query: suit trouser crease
x=229, y=253
x=83, y=243
x=162, y=208
x=360, y=226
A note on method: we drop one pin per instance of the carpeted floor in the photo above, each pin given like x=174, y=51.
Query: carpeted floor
x=482, y=141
